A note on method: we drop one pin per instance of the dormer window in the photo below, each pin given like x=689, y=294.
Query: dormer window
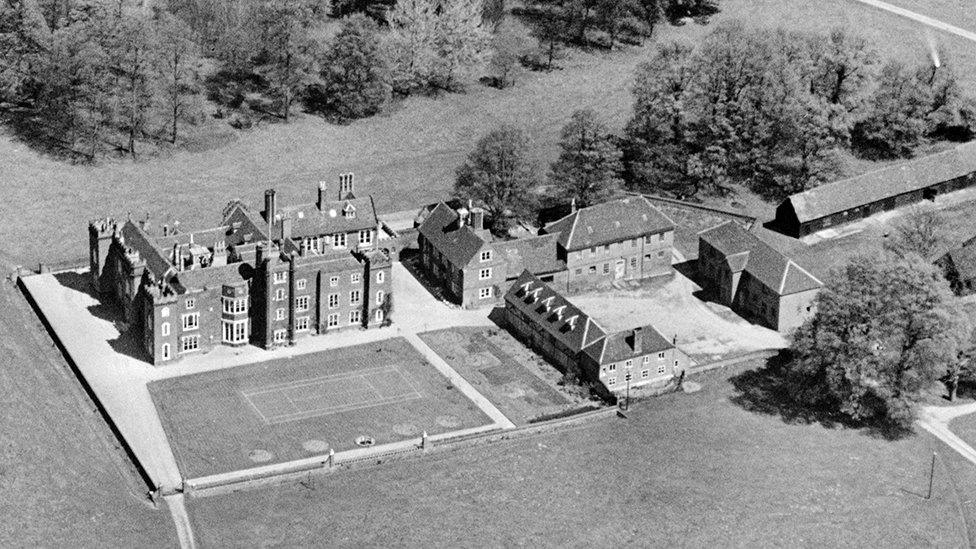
x=349, y=211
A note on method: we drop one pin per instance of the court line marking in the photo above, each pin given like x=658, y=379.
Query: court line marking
x=313, y=380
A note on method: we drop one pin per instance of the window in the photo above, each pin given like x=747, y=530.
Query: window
x=188, y=344
x=279, y=314
x=301, y=303
x=234, y=331
x=191, y=321
x=633, y=263
x=646, y=359
x=606, y=268
x=333, y=281
x=647, y=257
x=612, y=367
x=380, y=277
x=164, y=329
x=354, y=278
x=339, y=240
x=660, y=237
x=660, y=356
x=629, y=364
x=633, y=243
x=484, y=293
x=279, y=294
x=645, y=374
x=165, y=351
x=365, y=237
x=333, y=320
x=354, y=297
x=661, y=368
x=164, y=312
x=660, y=253
x=280, y=335
x=484, y=274
x=333, y=301
x=191, y=303
x=301, y=284
x=234, y=305
x=647, y=239
x=379, y=297
x=379, y=315
x=611, y=381
x=486, y=255
x=280, y=277
x=355, y=317
x=301, y=324
x=592, y=269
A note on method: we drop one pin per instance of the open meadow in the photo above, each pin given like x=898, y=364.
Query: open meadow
x=405, y=157
x=693, y=470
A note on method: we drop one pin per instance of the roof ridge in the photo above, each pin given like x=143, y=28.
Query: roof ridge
x=804, y=271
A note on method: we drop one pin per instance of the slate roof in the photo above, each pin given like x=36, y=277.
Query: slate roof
x=536, y=254
x=886, y=182
x=611, y=221
x=136, y=239
x=458, y=245
x=209, y=277
x=620, y=345
x=746, y=252
x=964, y=261
x=553, y=313
x=309, y=220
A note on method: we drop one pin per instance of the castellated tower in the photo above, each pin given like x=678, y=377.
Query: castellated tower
x=100, y=232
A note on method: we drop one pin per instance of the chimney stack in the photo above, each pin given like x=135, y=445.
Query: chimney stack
x=322, y=199
x=285, y=229
x=462, y=217
x=638, y=343
x=269, y=205
x=477, y=219
x=346, y=186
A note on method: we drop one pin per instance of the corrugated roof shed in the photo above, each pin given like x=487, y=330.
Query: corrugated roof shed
x=608, y=222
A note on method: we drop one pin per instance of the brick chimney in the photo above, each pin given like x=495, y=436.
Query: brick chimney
x=638, y=340
x=477, y=219
x=322, y=199
x=346, y=186
x=286, y=223
x=269, y=205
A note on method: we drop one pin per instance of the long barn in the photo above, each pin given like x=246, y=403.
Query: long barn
x=881, y=190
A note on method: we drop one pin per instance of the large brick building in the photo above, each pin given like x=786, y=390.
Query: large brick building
x=753, y=278
x=573, y=341
x=622, y=239
x=858, y=197
x=266, y=280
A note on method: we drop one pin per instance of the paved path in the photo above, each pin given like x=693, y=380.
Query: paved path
x=935, y=419
x=934, y=23
x=183, y=529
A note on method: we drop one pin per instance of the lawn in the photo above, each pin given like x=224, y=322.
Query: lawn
x=405, y=157
x=286, y=409
x=502, y=370
x=689, y=470
x=959, y=13
x=65, y=481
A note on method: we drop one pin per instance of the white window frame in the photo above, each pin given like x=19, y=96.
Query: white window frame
x=646, y=359
x=662, y=368
x=485, y=256
x=628, y=364
x=379, y=315
x=366, y=237
x=280, y=277
x=355, y=297
x=355, y=317
x=333, y=301
x=280, y=294
x=164, y=328
x=611, y=381
x=333, y=281
x=301, y=324
x=379, y=297
x=354, y=278
x=301, y=284
x=166, y=352
x=660, y=356
x=280, y=335
x=190, y=322
x=484, y=293
x=164, y=312
x=612, y=367
x=332, y=321
x=280, y=313
x=185, y=344
x=233, y=331
x=301, y=303
x=484, y=274
x=645, y=374
x=380, y=277
x=191, y=302
x=339, y=240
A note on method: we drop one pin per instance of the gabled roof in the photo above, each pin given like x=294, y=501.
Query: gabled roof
x=620, y=345
x=209, y=277
x=136, y=239
x=886, y=182
x=458, y=245
x=553, y=313
x=744, y=251
x=535, y=254
x=608, y=222
x=309, y=220
x=964, y=261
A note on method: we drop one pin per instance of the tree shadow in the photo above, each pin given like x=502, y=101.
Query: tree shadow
x=24, y=126
x=771, y=391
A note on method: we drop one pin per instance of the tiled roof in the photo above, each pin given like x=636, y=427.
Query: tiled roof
x=535, y=254
x=607, y=222
x=136, y=239
x=891, y=181
x=553, y=313
x=746, y=252
x=620, y=345
x=458, y=245
x=309, y=220
x=964, y=260
x=210, y=277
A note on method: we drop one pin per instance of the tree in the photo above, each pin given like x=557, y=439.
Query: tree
x=287, y=57
x=884, y=330
x=508, y=45
x=354, y=78
x=920, y=232
x=132, y=52
x=549, y=26
x=498, y=175
x=588, y=169
x=25, y=40
x=178, y=65
x=461, y=43
x=412, y=44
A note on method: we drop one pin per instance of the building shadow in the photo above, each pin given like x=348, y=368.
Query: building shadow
x=774, y=391
x=128, y=344
x=497, y=316
x=410, y=259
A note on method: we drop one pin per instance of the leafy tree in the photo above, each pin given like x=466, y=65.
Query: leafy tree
x=354, y=78
x=498, y=174
x=25, y=39
x=508, y=45
x=462, y=43
x=287, y=57
x=550, y=27
x=920, y=232
x=412, y=44
x=589, y=166
x=132, y=54
x=375, y=9
x=883, y=332
x=178, y=65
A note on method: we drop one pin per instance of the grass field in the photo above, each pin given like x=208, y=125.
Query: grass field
x=960, y=13
x=298, y=407
x=687, y=470
x=65, y=482
x=965, y=428
x=405, y=157
x=502, y=370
